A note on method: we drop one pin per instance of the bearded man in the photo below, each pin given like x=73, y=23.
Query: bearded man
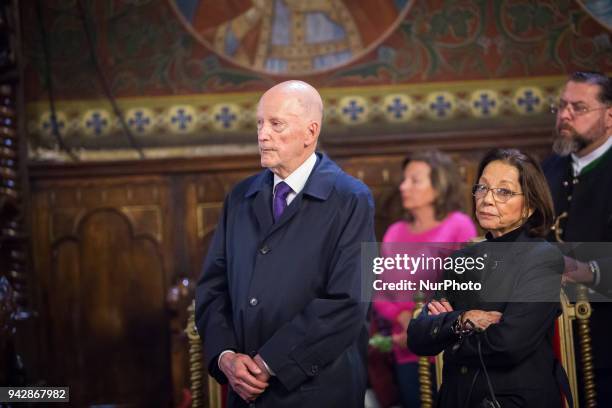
x=580, y=178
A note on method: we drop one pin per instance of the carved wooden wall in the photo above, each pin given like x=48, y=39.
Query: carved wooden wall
x=118, y=246
x=102, y=255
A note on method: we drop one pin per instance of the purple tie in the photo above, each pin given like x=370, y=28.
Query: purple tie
x=281, y=191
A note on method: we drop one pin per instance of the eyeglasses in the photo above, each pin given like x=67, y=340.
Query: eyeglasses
x=499, y=194
x=575, y=108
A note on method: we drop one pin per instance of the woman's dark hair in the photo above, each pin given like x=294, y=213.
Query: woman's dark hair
x=445, y=179
x=533, y=184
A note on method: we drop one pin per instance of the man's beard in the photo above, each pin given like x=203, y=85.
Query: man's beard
x=565, y=145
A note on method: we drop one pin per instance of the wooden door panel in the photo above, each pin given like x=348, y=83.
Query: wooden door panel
x=108, y=313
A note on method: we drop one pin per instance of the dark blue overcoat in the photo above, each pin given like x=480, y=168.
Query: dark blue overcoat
x=292, y=290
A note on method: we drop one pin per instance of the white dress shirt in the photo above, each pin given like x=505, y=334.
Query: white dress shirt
x=297, y=179
x=579, y=163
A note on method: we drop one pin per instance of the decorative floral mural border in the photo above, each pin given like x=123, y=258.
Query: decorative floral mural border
x=228, y=114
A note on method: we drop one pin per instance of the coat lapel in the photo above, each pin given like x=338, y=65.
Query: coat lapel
x=261, y=189
x=319, y=186
x=288, y=214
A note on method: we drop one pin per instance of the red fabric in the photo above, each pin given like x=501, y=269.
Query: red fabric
x=186, y=399
x=557, y=349
x=557, y=341
x=381, y=375
x=224, y=391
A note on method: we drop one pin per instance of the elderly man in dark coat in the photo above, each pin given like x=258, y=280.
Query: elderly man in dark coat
x=280, y=305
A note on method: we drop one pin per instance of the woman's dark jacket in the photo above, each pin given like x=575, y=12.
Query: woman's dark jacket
x=521, y=279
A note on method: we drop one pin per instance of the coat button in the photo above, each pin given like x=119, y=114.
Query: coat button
x=253, y=301
x=264, y=249
x=463, y=370
x=314, y=369
x=252, y=405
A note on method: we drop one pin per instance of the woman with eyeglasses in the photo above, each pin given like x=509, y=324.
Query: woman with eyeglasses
x=432, y=196
x=498, y=341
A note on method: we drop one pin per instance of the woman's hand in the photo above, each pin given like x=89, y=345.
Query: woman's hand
x=480, y=318
x=576, y=272
x=436, y=307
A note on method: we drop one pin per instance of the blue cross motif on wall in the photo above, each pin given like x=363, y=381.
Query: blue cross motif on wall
x=226, y=117
x=181, y=118
x=55, y=125
x=353, y=110
x=139, y=121
x=484, y=103
x=397, y=108
x=97, y=123
x=440, y=106
x=529, y=101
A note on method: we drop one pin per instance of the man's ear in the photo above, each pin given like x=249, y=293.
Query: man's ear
x=312, y=133
x=608, y=118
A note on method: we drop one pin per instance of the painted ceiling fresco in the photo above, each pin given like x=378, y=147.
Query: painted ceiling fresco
x=189, y=72
x=281, y=37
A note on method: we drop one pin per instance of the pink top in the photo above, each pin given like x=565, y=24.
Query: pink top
x=456, y=227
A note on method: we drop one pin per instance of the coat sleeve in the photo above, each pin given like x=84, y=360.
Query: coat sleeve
x=598, y=252
x=524, y=324
x=213, y=313
x=604, y=285
x=604, y=261
x=328, y=325
x=429, y=335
